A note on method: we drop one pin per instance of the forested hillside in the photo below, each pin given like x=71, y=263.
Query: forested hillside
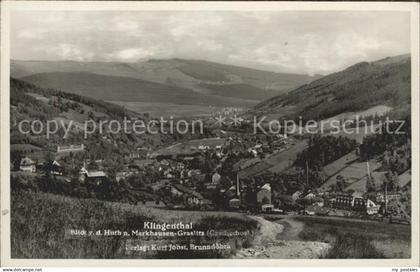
x=30, y=102
x=356, y=88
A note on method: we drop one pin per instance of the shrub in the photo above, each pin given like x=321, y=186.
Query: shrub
x=352, y=246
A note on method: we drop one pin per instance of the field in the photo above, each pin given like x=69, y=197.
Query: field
x=405, y=178
x=72, y=115
x=275, y=163
x=24, y=148
x=191, y=146
x=283, y=160
x=338, y=165
x=353, y=172
x=39, y=97
x=360, y=185
x=378, y=110
x=41, y=224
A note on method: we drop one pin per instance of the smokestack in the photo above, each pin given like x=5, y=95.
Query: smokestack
x=386, y=200
x=368, y=169
x=307, y=173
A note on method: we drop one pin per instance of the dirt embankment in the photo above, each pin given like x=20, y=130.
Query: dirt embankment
x=280, y=241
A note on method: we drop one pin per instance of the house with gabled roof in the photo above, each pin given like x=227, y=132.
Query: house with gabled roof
x=264, y=195
x=27, y=165
x=191, y=198
x=96, y=176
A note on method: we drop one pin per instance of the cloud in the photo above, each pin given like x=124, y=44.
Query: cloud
x=131, y=54
x=27, y=34
x=286, y=41
x=52, y=17
x=126, y=25
x=67, y=51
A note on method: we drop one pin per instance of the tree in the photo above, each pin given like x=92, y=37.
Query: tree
x=340, y=183
x=48, y=165
x=390, y=181
x=323, y=150
x=137, y=180
x=105, y=190
x=286, y=202
x=91, y=115
x=265, y=200
x=304, y=202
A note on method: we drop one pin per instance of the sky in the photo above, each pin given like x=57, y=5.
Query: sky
x=304, y=42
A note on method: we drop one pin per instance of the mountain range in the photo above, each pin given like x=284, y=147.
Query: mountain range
x=364, y=85
x=179, y=81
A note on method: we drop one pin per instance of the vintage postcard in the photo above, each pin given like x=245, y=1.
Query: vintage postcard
x=209, y=133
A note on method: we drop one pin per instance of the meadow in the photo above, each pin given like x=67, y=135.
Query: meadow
x=167, y=109
x=358, y=239
x=41, y=225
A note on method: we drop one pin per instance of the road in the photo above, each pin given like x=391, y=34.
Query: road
x=327, y=218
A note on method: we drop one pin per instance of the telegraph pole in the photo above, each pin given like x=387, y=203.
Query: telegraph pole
x=237, y=186
x=386, y=200
x=369, y=177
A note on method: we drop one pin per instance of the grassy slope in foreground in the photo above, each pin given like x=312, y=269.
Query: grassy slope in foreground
x=354, y=239
x=39, y=223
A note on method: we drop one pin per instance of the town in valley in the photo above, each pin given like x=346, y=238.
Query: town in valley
x=245, y=142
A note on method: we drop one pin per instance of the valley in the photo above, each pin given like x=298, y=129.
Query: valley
x=227, y=177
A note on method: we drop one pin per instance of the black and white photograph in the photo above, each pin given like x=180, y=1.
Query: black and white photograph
x=228, y=131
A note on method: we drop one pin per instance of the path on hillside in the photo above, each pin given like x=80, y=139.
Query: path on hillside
x=292, y=229
x=279, y=240
x=267, y=231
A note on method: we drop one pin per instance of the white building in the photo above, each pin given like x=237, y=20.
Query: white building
x=371, y=207
x=27, y=165
x=215, y=179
